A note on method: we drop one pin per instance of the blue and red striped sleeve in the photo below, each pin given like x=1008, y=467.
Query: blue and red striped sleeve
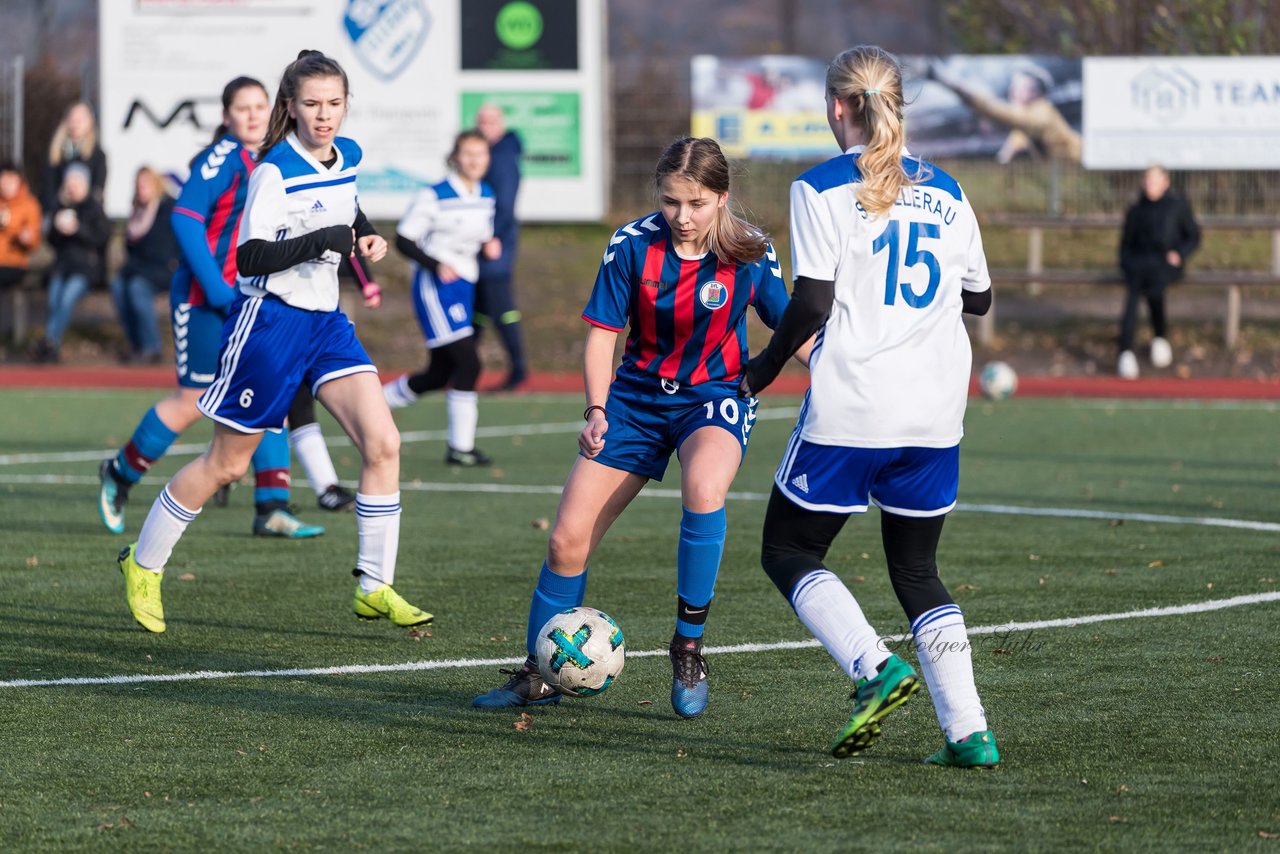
x=609, y=306
x=191, y=220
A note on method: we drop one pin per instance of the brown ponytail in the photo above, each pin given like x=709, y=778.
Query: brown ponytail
x=310, y=63
x=868, y=79
x=731, y=238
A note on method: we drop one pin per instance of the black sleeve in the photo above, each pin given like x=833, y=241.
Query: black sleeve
x=808, y=309
x=413, y=252
x=976, y=302
x=263, y=257
x=363, y=227
x=1188, y=231
x=1127, y=237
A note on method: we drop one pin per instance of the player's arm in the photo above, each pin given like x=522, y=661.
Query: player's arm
x=371, y=244
x=975, y=293
x=188, y=219
x=265, y=216
x=815, y=246
x=414, y=227
x=597, y=371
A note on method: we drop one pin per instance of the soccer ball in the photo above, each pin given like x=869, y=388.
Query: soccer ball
x=997, y=381
x=580, y=651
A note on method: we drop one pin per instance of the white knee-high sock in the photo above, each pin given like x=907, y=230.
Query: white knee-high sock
x=160, y=533
x=309, y=447
x=378, y=524
x=828, y=609
x=398, y=394
x=464, y=412
x=946, y=660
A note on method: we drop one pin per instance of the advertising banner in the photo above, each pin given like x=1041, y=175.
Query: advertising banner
x=1182, y=112
x=412, y=64
x=1004, y=108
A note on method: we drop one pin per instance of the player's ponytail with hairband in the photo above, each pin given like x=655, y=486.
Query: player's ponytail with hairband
x=868, y=79
x=310, y=63
x=731, y=238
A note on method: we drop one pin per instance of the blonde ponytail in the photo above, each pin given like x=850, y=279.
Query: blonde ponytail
x=868, y=79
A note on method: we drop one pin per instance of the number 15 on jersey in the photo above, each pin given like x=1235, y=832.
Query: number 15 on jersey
x=890, y=239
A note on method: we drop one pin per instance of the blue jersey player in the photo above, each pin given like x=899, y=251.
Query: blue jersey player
x=683, y=279
x=286, y=331
x=206, y=221
x=887, y=256
x=447, y=228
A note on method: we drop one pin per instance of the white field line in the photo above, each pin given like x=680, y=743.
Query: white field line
x=461, y=663
x=667, y=492
x=341, y=441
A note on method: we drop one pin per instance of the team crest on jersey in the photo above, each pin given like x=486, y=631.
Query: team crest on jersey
x=386, y=34
x=713, y=294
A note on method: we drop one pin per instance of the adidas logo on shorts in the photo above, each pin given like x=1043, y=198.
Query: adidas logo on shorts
x=801, y=482
x=317, y=207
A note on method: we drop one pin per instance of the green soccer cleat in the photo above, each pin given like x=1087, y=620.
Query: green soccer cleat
x=875, y=698
x=282, y=523
x=385, y=602
x=142, y=590
x=113, y=494
x=974, y=751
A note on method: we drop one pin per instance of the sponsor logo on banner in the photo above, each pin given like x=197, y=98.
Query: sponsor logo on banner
x=387, y=34
x=1165, y=93
x=713, y=295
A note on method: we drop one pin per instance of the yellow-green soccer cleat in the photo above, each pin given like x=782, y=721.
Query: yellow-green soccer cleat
x=385, y=602
x=142, y=590
x=975, y=751
x=875, y=698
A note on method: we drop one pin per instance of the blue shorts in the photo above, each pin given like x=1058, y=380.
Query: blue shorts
x=197, y=337
x=444, y=308
x=903, y=481
x=645, y=428
x=269, y=349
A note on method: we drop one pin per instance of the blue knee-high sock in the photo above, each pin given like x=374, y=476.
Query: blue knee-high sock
x=271, y=470
x=697, y=564
x=150, y=440
x=553, y=594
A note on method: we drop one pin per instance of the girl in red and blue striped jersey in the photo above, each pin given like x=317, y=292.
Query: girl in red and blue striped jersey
x=683, y=277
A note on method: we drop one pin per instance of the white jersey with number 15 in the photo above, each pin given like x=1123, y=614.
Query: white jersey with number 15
x=891, y=366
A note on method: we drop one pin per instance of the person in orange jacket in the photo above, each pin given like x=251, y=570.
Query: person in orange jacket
x=19, y=226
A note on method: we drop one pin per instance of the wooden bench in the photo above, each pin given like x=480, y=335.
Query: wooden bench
x=1035, y=276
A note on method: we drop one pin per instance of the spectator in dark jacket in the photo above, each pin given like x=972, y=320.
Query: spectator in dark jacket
x=495, y=291
x=1160, y=233
x=75, y=140
x=151, y=256
x=78, y=232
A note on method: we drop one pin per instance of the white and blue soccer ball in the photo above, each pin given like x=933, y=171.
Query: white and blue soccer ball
x=580, y=651
x=997, y=381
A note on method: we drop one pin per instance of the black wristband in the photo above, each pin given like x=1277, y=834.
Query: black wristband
x=586, y=413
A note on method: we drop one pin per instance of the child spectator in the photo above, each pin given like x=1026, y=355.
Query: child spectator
x=78, y=231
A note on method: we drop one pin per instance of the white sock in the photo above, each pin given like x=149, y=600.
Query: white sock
x=398, y=393
x=309, y=447
x=378, y=521
x=464, y=412
x=946, y=660
x=160, y=533
x=830, y=612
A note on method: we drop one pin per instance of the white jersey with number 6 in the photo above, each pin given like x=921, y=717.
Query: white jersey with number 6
x=891, y=366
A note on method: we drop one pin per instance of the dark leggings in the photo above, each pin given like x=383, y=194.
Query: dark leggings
x=796, y=542
x=1147, y=282
x=456, y=364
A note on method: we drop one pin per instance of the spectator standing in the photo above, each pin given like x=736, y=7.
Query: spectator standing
x=495, y=289
x=78, y=231
x=1160, y=232
x=75, y=140
x=151, y=257
x=19, y=228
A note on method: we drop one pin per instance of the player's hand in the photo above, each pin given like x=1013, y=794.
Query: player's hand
x=446, y=274
x=757, y=375
x=372, y=247
x=372, y=293
x=591, y=439
x=492, y=249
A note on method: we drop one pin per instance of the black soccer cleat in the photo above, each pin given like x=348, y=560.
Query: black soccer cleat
x=526, y=687
x=336, y=499
x=474, y=457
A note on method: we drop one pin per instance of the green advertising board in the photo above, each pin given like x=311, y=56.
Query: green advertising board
x=549, y=126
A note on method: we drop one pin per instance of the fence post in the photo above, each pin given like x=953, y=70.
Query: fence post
x=1035, y=258
x=987, y=325
x=1275, y=252
x=19, y=72
x=1232, y=332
